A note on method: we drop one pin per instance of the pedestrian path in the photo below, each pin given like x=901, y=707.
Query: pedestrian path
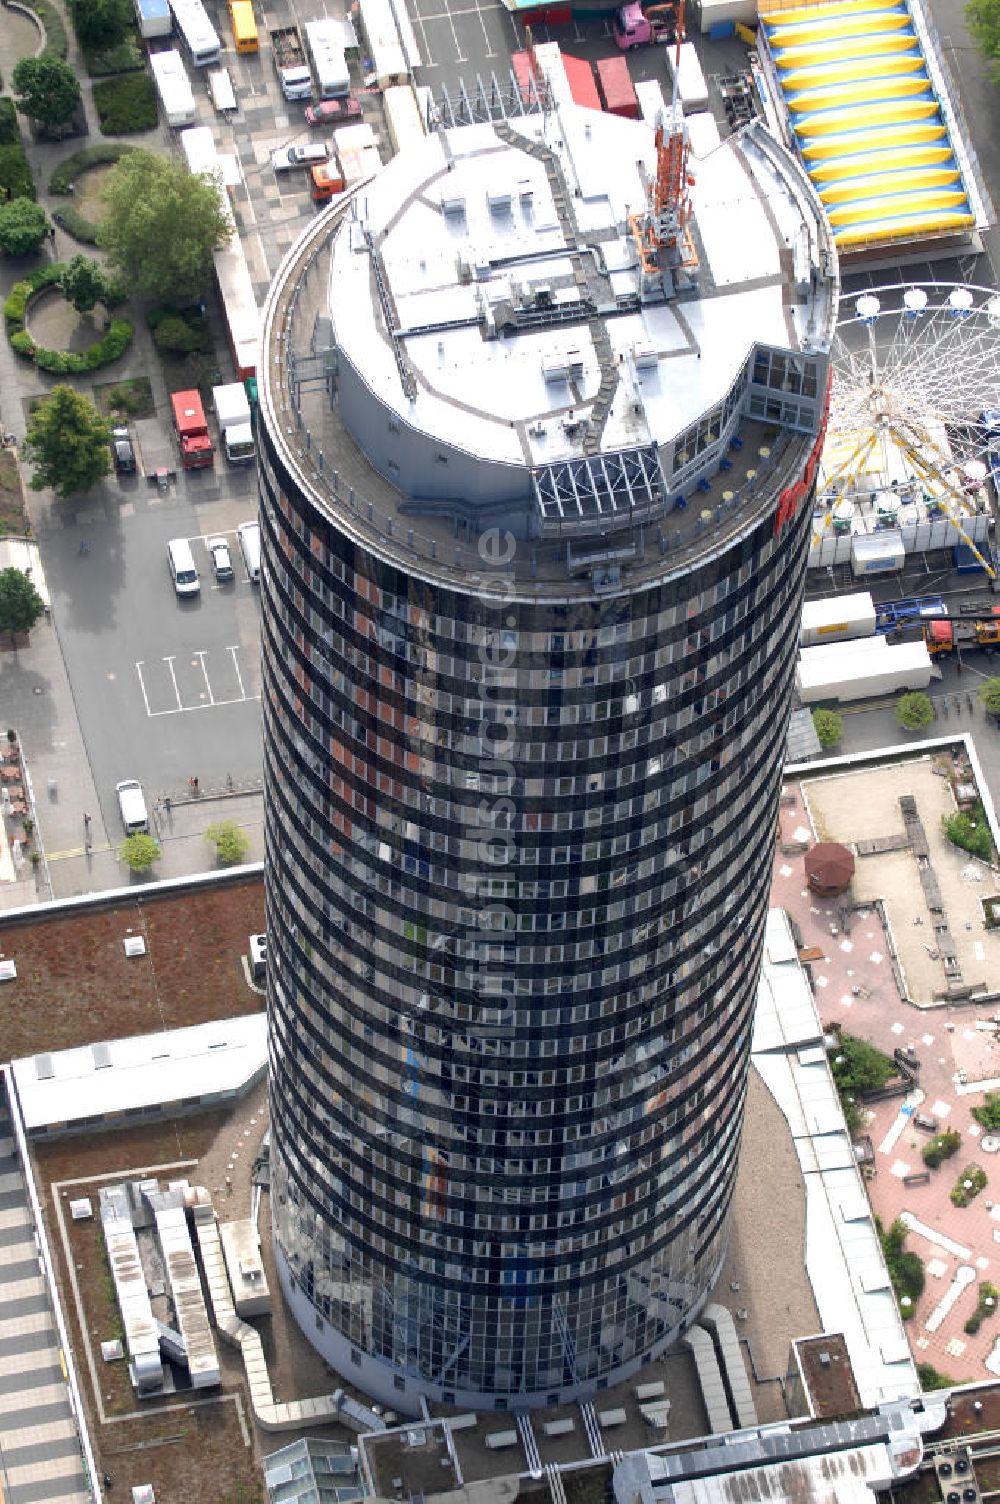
x=40, y=1455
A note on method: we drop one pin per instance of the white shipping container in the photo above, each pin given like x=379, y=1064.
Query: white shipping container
x=837, y=619
x=824, y=673
x=876, y=553
x=402, y=117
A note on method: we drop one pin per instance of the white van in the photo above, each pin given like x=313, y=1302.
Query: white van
x=132, y=806
x=248, y=536
x=182, y=567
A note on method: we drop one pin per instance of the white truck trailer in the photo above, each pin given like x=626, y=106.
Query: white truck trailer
x=173, y=87
x=862, y=669
x=232, y=411
x=837, y=619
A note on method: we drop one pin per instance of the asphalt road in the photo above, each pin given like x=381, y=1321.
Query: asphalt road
x=165, y=688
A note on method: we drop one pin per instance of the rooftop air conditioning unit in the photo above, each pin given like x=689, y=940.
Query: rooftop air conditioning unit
x=453, y=203
x=499, y=200
x=644, y=356
x=555, y=368
x=135, y=945
x=8, y=971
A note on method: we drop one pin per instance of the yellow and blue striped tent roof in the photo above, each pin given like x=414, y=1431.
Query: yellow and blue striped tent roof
x=867, y=121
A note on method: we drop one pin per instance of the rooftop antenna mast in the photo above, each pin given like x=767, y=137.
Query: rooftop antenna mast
x=662, y=230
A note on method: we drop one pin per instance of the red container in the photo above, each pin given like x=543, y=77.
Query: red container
x=615, y=84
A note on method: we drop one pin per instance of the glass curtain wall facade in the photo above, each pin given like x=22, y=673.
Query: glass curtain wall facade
x=518, y=866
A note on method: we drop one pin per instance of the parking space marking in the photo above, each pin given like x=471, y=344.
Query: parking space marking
x=211, y=703
x=239, y=676
x=418, y=21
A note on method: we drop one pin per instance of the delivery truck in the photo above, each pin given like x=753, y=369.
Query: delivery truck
x=232, y=411
x=290, y=63
x=173, y=87
x=192, y=431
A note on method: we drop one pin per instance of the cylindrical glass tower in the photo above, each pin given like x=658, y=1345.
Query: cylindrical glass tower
x=520, y=816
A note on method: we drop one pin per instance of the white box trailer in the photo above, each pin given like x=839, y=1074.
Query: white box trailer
x=861, y=670
x=325, y=48
x=173, y=87
x=232, y=409
x=837, y=619
x=877, y=553
x=403, y=119
x=223, y=95
x=691, y=85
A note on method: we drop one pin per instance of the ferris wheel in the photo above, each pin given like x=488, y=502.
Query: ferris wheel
x=917, y=365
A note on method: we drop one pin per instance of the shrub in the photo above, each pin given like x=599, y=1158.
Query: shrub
x=988, y=1114
x=942, y=1146
x=10, y=132
x=931, y=1379
x=106, y=62
x=17, y=302
x=858, y=1066
x=968, y=1185
x=986, y=1306
x=16, y=180
x=72, y=167
x=23, y=344
x=129, y=397
x=829, y=727
x=970, y=831
x=989, y=696
x=23, y=226
x=915, y=711
x=230, y=842
x=139, y=852
x=126, y=105
x=906, y=1270
x=175, y=336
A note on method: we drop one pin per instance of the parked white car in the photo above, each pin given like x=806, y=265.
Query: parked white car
x=310, y=155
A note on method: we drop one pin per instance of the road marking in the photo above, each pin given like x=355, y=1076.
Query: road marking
x=61, y=856
x=200, y=655
x=215, y=705
x=239, y=676
x=177, y=694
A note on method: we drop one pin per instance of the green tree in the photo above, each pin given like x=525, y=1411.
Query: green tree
x=914, y=711
x=23, y=227
x=931, y=1378
x=161, y=225
x=101, y=23
x=68, y=443
x=988, y=1115
x=46, y=89
x=989, y=696
x=139, y=852
x=83, y=283
x=230, y=842
x=20, y=603
x=829, y=727
x=983, y=20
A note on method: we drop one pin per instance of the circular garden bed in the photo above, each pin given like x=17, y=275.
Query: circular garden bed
x=82, y=177
x=111, y=345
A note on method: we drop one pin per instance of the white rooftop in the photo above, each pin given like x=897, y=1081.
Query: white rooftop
x=145, y=1071
x=467, y=219
x=843, y=1258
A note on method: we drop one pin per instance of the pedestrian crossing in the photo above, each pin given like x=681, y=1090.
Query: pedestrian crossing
x=40, y=1457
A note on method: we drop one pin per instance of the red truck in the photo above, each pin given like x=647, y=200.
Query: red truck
x=192, y=431
x=614, y=83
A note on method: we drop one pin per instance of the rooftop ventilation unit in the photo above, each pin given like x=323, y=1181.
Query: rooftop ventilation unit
x=135, y=945
x=258, y=955
x=453, y=203
x=541, y=294
x=555, y=368
x=644, y=356
x=482, y=269
x=575, y=359
x=8, y=971
x=499, y=200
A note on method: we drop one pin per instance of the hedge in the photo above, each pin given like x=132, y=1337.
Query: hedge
x=15, y=174
x=125, y=105
x=56, y=44
x=70, y=168
x=10, y=132
x=109, y=348
x=104, y=62
x=76, y=224
x=21, y=292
